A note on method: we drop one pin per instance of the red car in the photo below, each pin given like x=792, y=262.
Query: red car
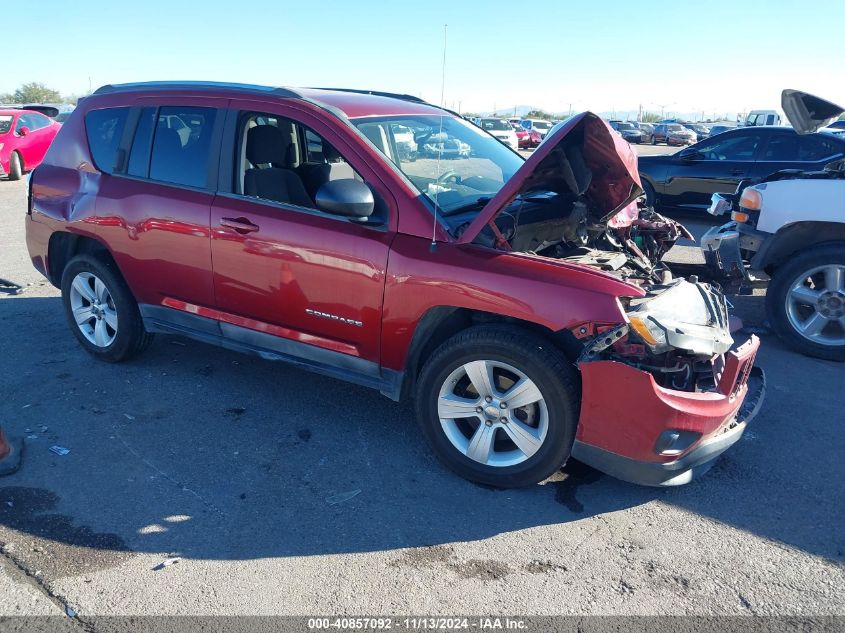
x=520, y=303
x=527, y=139
x=24, y=139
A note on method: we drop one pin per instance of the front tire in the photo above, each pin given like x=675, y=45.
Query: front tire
x=101, y=311
x=15, y=167
x=806, y=302
x=499, y=406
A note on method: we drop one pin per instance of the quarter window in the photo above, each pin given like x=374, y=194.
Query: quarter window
x=815, y=148
x=181, y=145
x=104, y=129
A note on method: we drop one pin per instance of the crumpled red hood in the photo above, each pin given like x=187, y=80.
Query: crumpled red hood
x=614, y=183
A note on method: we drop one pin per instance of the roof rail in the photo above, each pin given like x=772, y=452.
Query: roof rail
x=377, y=93
x=196, y=85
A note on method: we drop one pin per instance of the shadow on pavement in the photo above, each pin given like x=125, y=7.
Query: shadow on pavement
x=209, y=454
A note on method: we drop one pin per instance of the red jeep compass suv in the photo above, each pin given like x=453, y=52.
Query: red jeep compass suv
x=521, y=303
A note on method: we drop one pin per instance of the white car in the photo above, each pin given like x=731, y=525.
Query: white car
x=788, y=233
x=502, y=130
x=543, y=127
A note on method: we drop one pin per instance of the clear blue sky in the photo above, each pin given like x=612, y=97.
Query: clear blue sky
x=714, y=56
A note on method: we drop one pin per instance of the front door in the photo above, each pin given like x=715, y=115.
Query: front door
x=38, y=138
x=716, y=166
x=288, y=276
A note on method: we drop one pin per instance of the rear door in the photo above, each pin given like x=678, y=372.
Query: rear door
x=788, y=150
x=154, y=195
x=312, y=281
x=711, y=166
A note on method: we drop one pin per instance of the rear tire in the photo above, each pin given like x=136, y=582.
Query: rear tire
x=15, y=167
x=797, y=310
x=491, y=441
x=101, y=311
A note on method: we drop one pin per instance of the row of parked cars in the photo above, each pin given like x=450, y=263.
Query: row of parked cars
x=669, y=132
x=26, y=132
x=517, y=133
x=529, y=133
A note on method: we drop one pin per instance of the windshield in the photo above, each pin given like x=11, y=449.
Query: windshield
x=5, y=123
x=542, y=125
x=496, y=125
x=675, y=128
x=455, y=164
x=627, y=126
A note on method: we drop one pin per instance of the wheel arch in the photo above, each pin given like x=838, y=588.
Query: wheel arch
x=794, y=238
x=64, y=246
x=440, y=323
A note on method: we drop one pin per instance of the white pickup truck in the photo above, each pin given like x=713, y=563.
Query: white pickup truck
x=787, y=232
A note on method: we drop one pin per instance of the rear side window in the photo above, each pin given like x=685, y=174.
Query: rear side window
x=104, y=129
x=181, y=145
x=817, y=148
x=782, y=147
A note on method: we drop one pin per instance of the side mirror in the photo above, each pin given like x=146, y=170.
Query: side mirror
x=347, y=197
x=23, y=131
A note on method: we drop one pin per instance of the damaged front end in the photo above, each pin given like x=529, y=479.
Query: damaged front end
x=665, y=392
x=678, y=332
x=662, y=391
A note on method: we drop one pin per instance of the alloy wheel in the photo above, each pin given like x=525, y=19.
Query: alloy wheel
x=493, y=413
x=815, y=305
x=93, y=309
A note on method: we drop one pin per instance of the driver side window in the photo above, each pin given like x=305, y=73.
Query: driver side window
x=281, y=160
x=739, y=147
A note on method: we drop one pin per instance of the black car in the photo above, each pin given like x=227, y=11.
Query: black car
x=688, y=178
x=647, y=130
x=701, y=131
x=718, y=129
x=628, y=131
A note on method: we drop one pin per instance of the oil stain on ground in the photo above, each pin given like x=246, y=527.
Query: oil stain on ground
x=444, y=556
x=40, y=540
x=576, y=475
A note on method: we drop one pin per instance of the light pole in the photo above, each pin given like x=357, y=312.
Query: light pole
x=663, y=107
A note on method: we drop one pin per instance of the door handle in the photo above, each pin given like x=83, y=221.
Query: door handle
x=737, y=172
x=241, y=225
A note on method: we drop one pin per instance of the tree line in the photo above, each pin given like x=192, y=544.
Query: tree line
x=35, y=92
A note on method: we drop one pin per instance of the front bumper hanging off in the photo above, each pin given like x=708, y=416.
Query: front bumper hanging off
x=620, y=427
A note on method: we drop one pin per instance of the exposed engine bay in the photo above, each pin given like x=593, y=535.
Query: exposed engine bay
x=583, y=204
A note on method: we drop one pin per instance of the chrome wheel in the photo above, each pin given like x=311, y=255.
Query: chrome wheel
x=493, y=413
x=93, y=309
x=815, y=305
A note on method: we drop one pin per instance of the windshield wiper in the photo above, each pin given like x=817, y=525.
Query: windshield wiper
x=478, y=202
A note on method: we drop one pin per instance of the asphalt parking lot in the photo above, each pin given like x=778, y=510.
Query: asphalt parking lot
x=282, y=492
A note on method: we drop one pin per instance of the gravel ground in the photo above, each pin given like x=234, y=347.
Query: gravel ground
x=288, y=493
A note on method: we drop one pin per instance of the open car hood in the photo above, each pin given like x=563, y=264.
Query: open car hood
x=807, y=113
x=583, y=157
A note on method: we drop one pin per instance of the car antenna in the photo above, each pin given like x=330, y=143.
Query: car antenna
x=433, y=247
